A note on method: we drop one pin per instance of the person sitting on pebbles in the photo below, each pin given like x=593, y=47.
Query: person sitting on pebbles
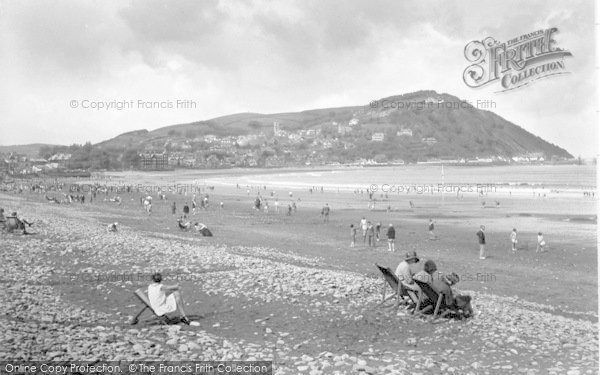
x=112, y=227
x=203, y=229
x=165, y=299
x=21, y=223
x=443, y=284
x=427, y=274
x=183, y=225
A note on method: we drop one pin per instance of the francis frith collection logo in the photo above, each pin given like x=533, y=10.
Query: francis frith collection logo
x=516, y=62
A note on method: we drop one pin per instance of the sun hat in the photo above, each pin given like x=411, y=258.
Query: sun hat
x=411, y=255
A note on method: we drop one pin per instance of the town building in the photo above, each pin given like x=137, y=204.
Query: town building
x=154, y=161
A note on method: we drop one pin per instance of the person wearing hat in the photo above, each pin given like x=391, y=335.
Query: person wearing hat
x=404, y=273
x=443, y=284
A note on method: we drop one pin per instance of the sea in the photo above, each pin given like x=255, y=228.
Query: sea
x=568, y=178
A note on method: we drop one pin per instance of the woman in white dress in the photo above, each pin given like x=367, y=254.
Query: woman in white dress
x=165, y=299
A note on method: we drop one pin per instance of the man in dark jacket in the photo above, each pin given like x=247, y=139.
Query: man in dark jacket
x=391, y=237
x=481, y=239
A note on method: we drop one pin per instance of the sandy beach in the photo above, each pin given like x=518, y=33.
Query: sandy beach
x=291, y=290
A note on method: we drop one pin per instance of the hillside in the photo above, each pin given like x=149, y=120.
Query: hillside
x=442, y=127
x=30, y=150
x=423, y=126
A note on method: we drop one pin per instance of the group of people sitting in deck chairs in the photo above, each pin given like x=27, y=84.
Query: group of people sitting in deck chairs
x=439, y=282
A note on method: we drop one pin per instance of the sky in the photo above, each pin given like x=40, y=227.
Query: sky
x=61, y=60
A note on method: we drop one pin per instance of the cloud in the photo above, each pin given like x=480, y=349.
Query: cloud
x=272, y=56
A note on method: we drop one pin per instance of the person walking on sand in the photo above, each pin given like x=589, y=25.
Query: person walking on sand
x=513, y=239
x=481, y=240
x=352, y=235
x=371, y=234
x=364, y=225
x=165, y=299
x=186, y=210
x=391, y=237
x=325, y=213
x=378, y=231
x=540, y=243
x=431, y=228
x=173, y=208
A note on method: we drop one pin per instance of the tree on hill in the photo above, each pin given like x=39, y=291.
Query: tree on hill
x=254, y=125
x=131, y=158
x=191, y=133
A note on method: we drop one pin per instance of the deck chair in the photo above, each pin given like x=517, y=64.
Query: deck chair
x=141, y=295
x=400, y=293
x=441, y=309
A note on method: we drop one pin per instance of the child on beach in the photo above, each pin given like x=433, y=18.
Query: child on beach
x=481, y=240
x=371, y=234
x=431, y=227
x=513, y=239
x=540, y=243
x=364, y=226
x=325, y=213
x=391, y=236
x=352, y=235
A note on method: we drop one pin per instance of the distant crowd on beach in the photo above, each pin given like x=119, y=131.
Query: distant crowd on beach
x=373, y=232
x=372, y=235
